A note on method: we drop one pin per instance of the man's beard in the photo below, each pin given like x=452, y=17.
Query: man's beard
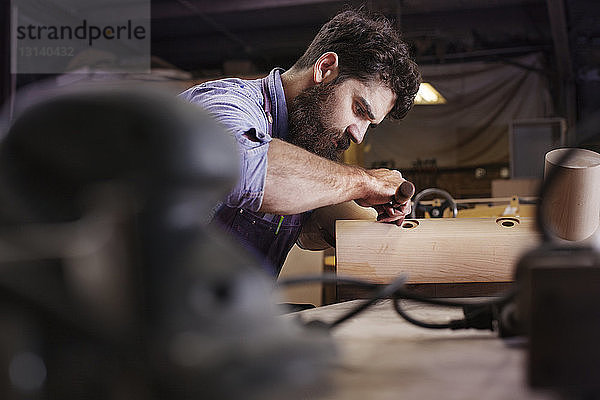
x=310, y=125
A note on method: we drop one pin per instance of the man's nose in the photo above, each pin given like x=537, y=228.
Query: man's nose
x=357, y=132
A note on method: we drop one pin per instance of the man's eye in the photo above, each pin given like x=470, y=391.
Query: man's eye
x=360, y=110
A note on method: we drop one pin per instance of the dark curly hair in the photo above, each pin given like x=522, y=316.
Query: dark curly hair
x=368, y=48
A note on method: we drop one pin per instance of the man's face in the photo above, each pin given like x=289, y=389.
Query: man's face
x=325, y=118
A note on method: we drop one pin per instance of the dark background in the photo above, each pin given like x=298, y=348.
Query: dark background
x=210, y=38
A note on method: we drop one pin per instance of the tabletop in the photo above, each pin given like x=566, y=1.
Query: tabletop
x=381, y=356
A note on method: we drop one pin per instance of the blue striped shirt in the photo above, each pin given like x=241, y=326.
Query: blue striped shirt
x=238, y=105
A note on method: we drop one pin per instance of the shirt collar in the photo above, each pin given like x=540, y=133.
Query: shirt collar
x=278, y=104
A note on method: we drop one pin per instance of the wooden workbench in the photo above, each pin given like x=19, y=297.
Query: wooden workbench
x=381, y=356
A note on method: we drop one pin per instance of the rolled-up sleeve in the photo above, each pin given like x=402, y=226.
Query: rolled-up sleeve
x=243, y=117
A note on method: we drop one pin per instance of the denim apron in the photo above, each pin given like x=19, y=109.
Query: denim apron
x=270, y=236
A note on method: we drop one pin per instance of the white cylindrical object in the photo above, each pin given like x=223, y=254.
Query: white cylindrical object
x=572, y=203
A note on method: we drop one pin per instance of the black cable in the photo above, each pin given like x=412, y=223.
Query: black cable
x=501, y=298
x=399, y=292
x=478, y=314
x=386, y=292
x=476, y=317
x=455, y=324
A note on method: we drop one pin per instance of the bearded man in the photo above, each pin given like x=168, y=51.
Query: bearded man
x=292, y=127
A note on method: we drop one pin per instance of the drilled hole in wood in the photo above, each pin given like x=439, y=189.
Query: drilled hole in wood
x=409, y=224
x=507, y=222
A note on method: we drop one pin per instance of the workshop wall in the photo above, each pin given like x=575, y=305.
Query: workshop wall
x=471, y=129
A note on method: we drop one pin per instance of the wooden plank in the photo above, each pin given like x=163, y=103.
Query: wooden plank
x=443, y=250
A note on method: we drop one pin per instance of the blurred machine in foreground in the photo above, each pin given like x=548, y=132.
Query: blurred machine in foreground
x=111, y=285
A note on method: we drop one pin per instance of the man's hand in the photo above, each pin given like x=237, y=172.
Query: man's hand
x=389, y=213
x=389, y=195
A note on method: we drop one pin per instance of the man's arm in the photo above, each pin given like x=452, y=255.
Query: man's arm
x=298, y=181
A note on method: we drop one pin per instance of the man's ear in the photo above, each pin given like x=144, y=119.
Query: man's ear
x=326, y=68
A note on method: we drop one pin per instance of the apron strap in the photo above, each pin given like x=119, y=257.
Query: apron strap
x=267, y=104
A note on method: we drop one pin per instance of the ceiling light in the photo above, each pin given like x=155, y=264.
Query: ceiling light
x=428, y=95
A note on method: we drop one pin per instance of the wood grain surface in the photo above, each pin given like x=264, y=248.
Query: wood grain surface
x=434, y=250
x=383, y=357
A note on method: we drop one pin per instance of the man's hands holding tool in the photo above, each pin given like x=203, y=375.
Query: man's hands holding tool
x=399, y=208
x=390, y=197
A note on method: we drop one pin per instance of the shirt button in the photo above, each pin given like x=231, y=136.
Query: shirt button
x=269, y=118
